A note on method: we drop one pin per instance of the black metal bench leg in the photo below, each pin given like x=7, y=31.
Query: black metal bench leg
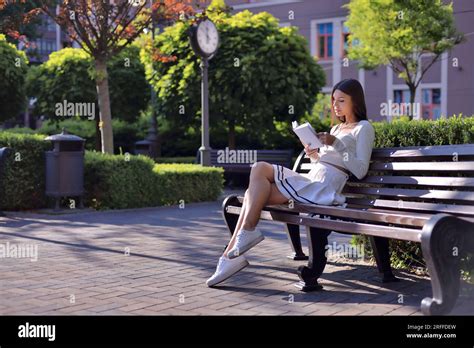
x=317, y=242
x=293, y=233
x=230, y=219
x=380, y=247
x=444, y=241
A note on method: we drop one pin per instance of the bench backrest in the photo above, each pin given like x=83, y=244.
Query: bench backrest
x=239, y=161
x=417, y=178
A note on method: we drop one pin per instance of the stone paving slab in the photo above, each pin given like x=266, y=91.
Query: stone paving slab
x=155, y=261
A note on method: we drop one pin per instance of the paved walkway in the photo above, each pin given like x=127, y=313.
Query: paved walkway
x=155, y=261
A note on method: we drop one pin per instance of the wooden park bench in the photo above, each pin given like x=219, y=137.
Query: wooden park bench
x=282, y=157
x=239, y=169
x=4, y=151
x=422, y=194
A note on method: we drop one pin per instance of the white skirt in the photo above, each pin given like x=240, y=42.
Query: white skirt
x=322, y=185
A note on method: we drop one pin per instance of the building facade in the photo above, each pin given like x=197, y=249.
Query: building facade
x=51, y=38
x=446, y=89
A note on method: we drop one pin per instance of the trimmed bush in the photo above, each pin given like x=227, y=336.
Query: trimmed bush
x=121, y=181
x=111, y=181
x=188, y=159
x=24, y=178
x=401, y=132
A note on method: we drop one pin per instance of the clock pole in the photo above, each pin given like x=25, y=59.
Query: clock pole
x=205, y=148
x=206, y=51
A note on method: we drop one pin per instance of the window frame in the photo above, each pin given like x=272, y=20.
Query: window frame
x=326, y=36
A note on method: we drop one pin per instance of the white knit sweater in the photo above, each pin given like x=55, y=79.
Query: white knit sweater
x=351, y=150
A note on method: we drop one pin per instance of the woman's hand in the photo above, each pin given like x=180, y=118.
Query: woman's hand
x=326, y=138
x=311, y=153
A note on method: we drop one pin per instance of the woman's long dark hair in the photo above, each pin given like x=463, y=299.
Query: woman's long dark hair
x=353, y=88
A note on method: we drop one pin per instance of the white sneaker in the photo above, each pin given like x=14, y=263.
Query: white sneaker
x=244, y=241
x=226, y=268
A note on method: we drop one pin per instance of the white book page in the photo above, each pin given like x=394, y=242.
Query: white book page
x=307, y=135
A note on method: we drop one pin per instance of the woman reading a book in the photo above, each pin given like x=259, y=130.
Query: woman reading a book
x=347, y=149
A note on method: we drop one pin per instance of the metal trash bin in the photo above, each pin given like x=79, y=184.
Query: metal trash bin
x=65, y=168
x=143, y=147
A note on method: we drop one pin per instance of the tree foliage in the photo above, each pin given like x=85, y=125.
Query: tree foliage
x=260, y=74
x=18, y=20
x=67, y=75
x=13, y=69
x=103, y=29
x=399, y=32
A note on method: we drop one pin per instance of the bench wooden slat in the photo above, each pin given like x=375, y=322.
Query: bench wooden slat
x=384, y=216
x=458, y=210
x=401, y=212
x=417, y=180
x=393, y=216
x=410, y=166
x=417, y=152
x=413, y=235
x=439, y=195
x=452, y=166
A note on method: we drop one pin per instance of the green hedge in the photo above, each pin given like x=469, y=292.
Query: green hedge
x=111, y=181
x=188, y=160
x=121, y=181
x=401, y=132
x=24, y=177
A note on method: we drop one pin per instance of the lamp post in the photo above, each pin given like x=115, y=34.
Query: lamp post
x=205, y=146
x=204, y=38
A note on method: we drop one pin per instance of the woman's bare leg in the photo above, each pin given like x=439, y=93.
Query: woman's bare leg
x=262, y=191
x=257, y=175
x=239, y=223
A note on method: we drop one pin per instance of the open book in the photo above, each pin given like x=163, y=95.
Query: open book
x=307, y=135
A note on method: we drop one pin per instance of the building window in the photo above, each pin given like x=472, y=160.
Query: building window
x=50, y=25
x=44, y=46
x=431, y=103
x=324, y=41
x=401, y=96
x=401, y=101
x=345, y=40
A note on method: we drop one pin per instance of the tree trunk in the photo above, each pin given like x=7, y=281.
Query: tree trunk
x=412, y=100
x=102, y=84
x=231, y=137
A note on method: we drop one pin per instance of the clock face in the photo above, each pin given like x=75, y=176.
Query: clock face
x=207, y=37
